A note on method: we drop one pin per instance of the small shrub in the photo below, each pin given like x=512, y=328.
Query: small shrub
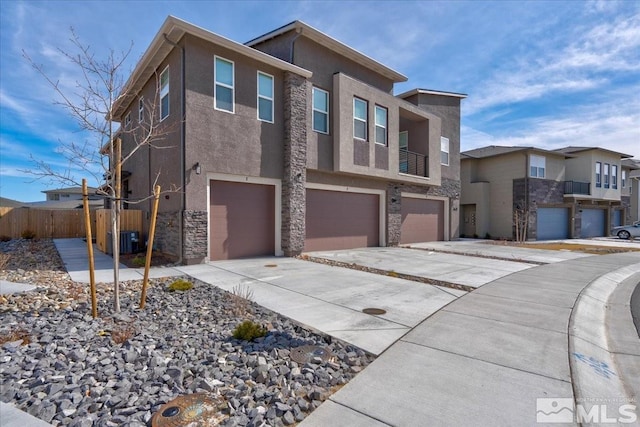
x=28, y=234
x=15, y=334
x=248, y=331
x=241, y=297
x=4, y=238
x=487, y=236
x=180, y=285
x=4, y=260
x=139, y=261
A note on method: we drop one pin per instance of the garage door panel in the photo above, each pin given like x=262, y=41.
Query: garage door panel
x=341, y=220
x=593, y=223
x=242, y=220
x=552, y=223
x=422, y=220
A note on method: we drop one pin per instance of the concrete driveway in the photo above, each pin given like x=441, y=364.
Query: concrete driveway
x=331, y=299
x=470, y=271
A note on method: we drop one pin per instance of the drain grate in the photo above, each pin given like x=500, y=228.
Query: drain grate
x=190, y=409
x=374, y=311
x=306, y=354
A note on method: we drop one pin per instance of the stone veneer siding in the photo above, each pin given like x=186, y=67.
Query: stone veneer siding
x=194, y=247
x=540, y=191
x=297, y=98
x=450, y=188
x=167, y=234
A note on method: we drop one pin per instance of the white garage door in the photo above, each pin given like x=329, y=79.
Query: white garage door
x=553, y=223
x=593, y=222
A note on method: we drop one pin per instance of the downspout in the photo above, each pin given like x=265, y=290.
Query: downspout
x=182, y=147
x=293, y=44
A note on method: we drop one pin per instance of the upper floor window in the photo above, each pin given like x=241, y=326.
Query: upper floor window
x=624, y=178
x=127, y=120
x=614, y=176
x=223, y=90
x=164, y=94
x=320, y=110
x=444, y=151
x=537, y=166
x=359, y=118
x=598, y=174
x=381, y=125
x=605, y=172
x=265, y=97
x=141, y=109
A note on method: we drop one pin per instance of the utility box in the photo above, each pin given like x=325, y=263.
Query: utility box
x=129, y=242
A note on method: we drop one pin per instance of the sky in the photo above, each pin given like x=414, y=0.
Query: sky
x=548, y=74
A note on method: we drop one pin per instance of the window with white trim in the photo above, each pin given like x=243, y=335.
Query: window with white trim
x=381, y=125
x=624, y=178
x=265, y=97
x=127, y=120
x=537, y=166
x=224, y=85
x=598, y=174
x=605, y=172
x=141, y=109
x=444, y=151
x=320, y=110
x=164, y=94
x=614, y=177
x=360, y=118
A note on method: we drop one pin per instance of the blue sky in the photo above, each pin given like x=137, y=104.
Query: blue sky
x=542, y=73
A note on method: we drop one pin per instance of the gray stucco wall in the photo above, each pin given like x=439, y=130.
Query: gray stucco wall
x=222, y=142
x=446, y=108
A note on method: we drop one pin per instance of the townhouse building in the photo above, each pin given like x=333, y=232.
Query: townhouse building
x=291, y=142
x=573, y=192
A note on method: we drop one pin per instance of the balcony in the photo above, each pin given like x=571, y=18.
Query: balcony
x=414, y=163
x=574, y=187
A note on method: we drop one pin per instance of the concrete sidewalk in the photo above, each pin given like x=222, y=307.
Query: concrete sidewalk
x=487, y=357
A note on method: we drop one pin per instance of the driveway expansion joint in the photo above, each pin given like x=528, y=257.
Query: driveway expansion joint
x=389, y=273
x=477, y=255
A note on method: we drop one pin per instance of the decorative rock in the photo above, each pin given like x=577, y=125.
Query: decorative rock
x=74, y=374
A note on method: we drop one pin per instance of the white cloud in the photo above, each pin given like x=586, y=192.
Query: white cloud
x=611, y=125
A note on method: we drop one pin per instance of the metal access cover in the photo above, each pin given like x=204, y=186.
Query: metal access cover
x=306, y=353
x=374, y=311
x=198, y=409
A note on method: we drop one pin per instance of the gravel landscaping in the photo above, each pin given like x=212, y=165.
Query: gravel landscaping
x=66, y=368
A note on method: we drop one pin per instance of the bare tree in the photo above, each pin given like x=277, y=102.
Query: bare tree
x=91, y=104
x=521, y=222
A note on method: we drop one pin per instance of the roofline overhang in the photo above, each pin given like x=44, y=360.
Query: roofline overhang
x=431, y=92
x=515, y=150
x=174, y=29
x=580, y=149
x=332, y=44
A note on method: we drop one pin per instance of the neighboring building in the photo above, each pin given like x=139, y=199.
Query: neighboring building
x=69, y=193
x=292, y=142
x=568, y=193
x=630, y=183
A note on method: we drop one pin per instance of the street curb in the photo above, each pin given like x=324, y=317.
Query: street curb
x=603, y=365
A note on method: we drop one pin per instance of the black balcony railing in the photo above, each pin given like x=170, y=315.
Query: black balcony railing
x=414, y=163
x=574, y=187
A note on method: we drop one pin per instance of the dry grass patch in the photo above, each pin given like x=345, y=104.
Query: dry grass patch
x=15, y=334
x=575, y=247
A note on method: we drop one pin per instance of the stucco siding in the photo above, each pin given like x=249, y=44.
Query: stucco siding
x=222, y=142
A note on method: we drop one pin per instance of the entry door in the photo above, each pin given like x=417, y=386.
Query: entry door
x=469, y=220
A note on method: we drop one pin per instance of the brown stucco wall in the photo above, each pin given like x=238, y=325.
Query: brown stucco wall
x=223, y=142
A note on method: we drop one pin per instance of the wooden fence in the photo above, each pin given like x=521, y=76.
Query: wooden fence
x=130, y=220
x=52, y=223
x=65, y=223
